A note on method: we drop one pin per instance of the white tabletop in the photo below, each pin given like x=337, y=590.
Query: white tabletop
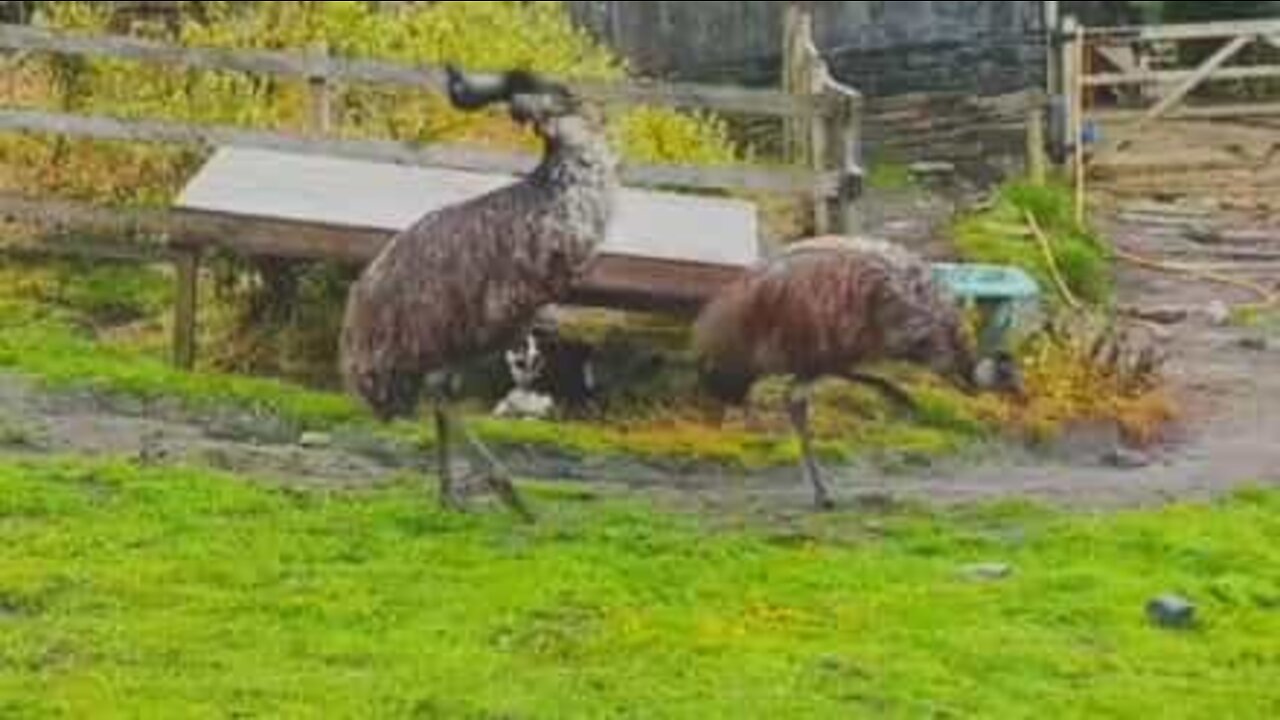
x=364, y=194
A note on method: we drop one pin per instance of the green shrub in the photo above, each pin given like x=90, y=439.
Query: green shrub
x=1001, y=235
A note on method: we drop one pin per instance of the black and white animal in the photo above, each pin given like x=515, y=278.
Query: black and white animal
x=823, y=308
x=467, y=280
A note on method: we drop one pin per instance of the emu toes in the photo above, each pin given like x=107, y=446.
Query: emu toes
x=506, y=491
x=824, y=503
x=522, y=511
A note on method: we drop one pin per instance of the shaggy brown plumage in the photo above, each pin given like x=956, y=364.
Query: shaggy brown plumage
x=826, y=306
x=466, y=280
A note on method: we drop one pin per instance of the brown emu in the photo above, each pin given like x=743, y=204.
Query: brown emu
x=823, y=308
x=466, y=280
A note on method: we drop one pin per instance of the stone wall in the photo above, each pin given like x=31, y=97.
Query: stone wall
x=881, y=47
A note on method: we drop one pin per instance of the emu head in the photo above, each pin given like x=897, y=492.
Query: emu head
x=531, y=99
x=949, y=351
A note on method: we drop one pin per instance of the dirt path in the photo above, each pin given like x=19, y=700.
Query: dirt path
x=1231, y=393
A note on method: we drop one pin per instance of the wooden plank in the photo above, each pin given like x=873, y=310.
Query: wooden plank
x=184, y=228
x=1167, y=77
x=341, y=70
x=1178, y=94
x=1037, y=162
x=786, y=181
x=348, y=193
x=149, y=228
x=1079, y=55
x=1209, y=112
x=186, y=307
x=270, y=237
x=614, y=281
x=646, y=285
x=1122, y=57
x=1186, y=31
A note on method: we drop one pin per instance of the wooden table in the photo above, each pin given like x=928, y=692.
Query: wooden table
x=665, y=252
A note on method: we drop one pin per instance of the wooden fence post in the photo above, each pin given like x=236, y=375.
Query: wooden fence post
x=829, y=136
x=844, y=155
x=797, y=73
x=186, y=302
x=321, y=119
x=1079, y=62
x=1036, y=160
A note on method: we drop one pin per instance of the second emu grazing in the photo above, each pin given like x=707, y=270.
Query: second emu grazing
x=468, y=279
x=823, y=308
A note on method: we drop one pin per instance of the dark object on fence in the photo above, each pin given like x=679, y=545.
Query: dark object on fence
x=825, y=307
x=467, y=280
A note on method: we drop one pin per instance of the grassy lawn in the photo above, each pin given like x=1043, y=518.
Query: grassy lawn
x=179, y=593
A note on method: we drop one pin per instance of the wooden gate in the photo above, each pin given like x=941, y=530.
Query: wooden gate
x=1185, y=111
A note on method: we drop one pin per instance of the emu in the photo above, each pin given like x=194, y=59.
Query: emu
x=824, y=307
x=466, y=280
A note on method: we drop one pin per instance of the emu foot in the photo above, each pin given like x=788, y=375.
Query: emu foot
x=824, y=503
x=500, y=483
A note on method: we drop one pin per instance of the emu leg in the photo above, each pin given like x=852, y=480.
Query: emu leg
x=449, y=497
x=798, y=409
x=499, y=477
x=887, y=388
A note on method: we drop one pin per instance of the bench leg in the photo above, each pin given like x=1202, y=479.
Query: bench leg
x=186, y=297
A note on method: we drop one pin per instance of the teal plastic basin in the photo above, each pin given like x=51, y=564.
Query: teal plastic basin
x=1008, y=297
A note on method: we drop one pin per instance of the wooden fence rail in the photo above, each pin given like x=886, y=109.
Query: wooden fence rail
x=312, y=66
x=782, y=180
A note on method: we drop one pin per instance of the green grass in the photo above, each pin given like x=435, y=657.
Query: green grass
x=178, y=593
x=1264, y=321
x=1000, y=235
x=55, y=344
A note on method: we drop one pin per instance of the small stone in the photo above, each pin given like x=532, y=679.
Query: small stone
x=1172, y=612
x=1125, y=459
x=1256, y=344
x=316, y=441
x=987, y=572
x=932, y=169
x=1159, y=315
x=1219, y=313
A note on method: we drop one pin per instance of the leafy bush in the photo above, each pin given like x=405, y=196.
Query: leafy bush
x=1000, y=234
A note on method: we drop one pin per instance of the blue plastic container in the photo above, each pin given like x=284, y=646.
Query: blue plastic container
x=1008, y=297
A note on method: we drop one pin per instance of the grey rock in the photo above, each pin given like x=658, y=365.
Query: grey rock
x=1218, y=313
x=987, y=572
x=1256, y=344
x=316, y=441
x=1172, y=612
x=1125, y=459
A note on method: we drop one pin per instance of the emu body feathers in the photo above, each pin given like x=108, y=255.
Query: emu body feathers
x=825, y=306
x=467, y=279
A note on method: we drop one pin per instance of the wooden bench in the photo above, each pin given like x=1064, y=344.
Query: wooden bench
x=665, y=252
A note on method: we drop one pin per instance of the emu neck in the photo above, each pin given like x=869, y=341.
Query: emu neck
x=576, y=157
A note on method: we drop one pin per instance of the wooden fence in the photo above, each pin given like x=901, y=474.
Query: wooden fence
x=829, y=178
x=1120, y=82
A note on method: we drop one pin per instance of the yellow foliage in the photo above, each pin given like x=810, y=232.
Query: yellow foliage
x=1067, y=384
x=480, y=35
